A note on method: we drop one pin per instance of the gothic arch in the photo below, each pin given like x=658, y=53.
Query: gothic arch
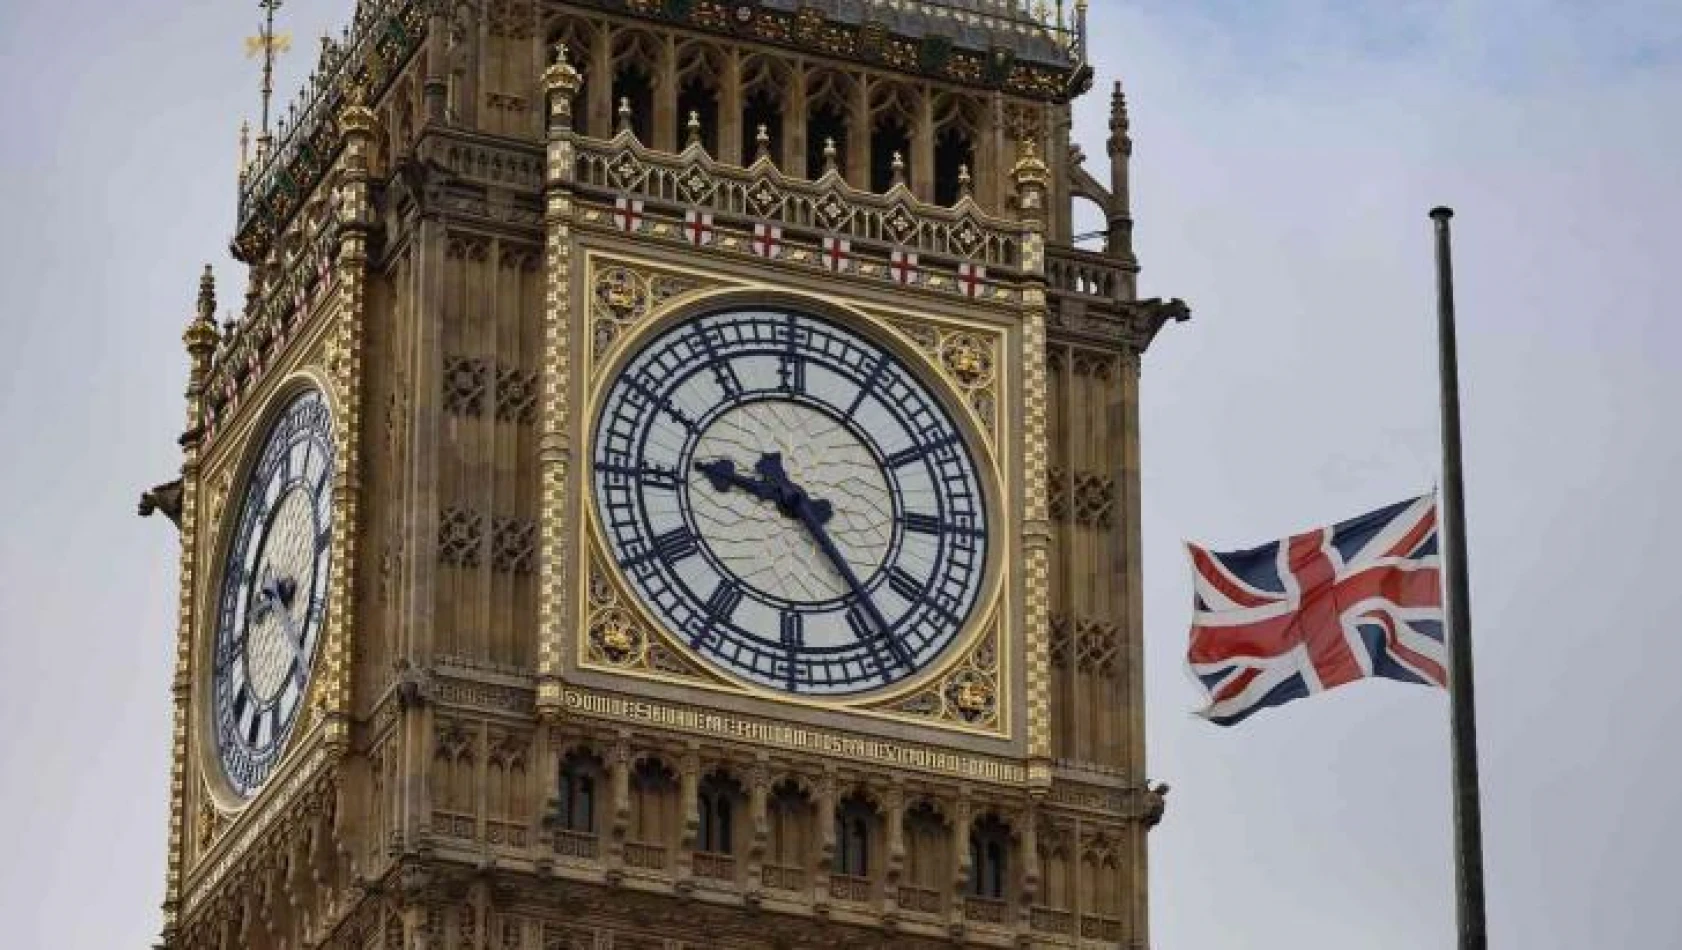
x=830, y=117
x=894, y=116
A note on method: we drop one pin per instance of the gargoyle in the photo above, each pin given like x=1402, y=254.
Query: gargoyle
x=165, y=498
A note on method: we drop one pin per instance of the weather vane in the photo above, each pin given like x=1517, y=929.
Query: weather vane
x=267, y=43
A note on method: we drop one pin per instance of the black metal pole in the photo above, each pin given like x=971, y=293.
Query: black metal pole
x=1468, y=811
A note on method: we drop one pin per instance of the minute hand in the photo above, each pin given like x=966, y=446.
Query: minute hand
x=806, y=509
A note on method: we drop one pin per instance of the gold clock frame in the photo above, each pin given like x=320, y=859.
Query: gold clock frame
x=229, y=477
x=980, y=667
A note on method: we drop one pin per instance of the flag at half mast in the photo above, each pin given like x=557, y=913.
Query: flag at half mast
x=1307, y=613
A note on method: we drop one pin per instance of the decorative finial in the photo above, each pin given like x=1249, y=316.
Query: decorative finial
x=966, y=184
x=244, y=145
x=1118, y=114
x=268, y=44
x=562, y=80
x=207, y=293
x=625, y=114
x=762, y=143
x=829, y=156
x=1031, y=175
x=201, y=336
x=899, y=169
x=694, y=129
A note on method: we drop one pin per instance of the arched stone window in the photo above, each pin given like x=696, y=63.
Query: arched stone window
x=765, y=81
x=789, y=814
x=718, y=797
x=957, y=129
x=636, y=64
x=828, y=110
x=893, y=117
x=700, y=69
x=575, y=803
x=653, y=797
x=928, y=860
x=855, y=833
x=989, y=854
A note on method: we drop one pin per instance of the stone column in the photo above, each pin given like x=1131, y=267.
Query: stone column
x=922, y=147
x=360, y=128
x=1120, y=241
x=599, y=110
x=201, y=340
x=1031, y=177
x=826, y=843
x=859, y=135
x=794, y=126
x=665, y=118
x=689, y=806
x=730, y=104
x=560, y=82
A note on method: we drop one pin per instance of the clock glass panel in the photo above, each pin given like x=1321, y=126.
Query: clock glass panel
x=274, y=592
x=791, y=501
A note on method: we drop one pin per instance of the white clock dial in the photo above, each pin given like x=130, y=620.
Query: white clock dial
x=789, y=499
x=274, y=593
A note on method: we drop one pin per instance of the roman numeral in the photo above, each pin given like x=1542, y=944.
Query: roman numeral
x=869, y=381
x=794, y=631
x=921, y=523
x=251, y=732
x=726, y=597
x=649, y=476
x=919, y=451
x=905, y=585
x=792, y=372
x=676, y=545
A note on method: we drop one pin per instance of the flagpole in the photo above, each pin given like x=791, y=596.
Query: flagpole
x=1468, y=818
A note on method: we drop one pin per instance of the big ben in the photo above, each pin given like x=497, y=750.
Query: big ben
x=673, y=482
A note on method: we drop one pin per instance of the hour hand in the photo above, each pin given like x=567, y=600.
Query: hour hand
x=723, y=476
x=791, y=497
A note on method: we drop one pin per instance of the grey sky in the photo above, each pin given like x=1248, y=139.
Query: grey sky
x=1286, y=155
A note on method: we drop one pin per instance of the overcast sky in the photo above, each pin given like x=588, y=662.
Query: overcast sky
x=1287, y=153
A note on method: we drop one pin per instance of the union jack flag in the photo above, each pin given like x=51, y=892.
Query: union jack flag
x=1314, y=611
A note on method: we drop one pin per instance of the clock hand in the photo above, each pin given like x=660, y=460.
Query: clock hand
x=813, y=513
x=789, y=494
x=722, y=474
x=774, y=488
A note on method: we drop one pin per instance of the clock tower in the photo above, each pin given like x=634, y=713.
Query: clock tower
x=673, y=483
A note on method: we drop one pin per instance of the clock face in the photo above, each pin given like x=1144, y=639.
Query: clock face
x=788, y=498
x=274, y=592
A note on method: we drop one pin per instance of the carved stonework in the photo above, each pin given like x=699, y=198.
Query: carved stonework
x=615, y=636
x=968, y=360
x=461, y=537
x=969, y=693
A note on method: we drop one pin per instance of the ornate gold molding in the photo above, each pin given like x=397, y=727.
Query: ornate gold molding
x=973, y=690
x=790, y=736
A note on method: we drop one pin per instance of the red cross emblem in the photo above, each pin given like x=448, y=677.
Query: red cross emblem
x=627, y=213
x=837, y=254
x=767, y=240
x=972, y=279
x=698, y=227
x=903, y=266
